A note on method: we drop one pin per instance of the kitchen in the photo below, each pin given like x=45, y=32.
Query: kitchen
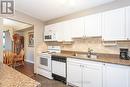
x=90, y=48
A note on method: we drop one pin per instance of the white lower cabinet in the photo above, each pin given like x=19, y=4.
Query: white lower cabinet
x=116, y=76
x=83, y=73
x=129, y=79
x=92, y=76
x=74, y=74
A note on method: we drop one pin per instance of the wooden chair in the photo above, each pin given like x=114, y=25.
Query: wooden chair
x=19, y=58
x=8, y=58
x=4, y=57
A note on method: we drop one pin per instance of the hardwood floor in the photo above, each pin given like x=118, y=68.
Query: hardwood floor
x=28, y=70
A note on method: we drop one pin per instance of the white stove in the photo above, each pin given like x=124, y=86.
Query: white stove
x=54, y=49
x=44, y=62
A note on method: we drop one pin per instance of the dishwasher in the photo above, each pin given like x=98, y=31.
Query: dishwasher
x=59, y=68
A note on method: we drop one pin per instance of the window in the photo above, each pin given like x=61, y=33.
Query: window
x=4, y=40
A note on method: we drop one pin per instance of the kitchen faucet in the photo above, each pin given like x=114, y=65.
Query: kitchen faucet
x=89, y=53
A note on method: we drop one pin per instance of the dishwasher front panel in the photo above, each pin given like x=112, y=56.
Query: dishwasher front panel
x=59, y=68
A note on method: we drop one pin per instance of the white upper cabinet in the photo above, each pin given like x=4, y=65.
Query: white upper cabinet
x=65, y=31
x=114, y=25
x=77, y=27
x=48, y=29
x=59, y=31
x=110, y=25
x=93, y=25
x=62, y=31
x=128, y=22
x=71, y=29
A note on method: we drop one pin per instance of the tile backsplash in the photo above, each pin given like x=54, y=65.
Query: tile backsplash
x=93, y=43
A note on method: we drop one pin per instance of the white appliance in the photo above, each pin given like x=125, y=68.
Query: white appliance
x=51, y=37
x=50, y=34
x=54, y=49
x=59, y=68
x=44, y=61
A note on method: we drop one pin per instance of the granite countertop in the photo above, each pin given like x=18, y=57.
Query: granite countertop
x=108, y=59
x=12, y=78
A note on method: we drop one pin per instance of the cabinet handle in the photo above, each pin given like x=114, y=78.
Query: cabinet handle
x=80, y=65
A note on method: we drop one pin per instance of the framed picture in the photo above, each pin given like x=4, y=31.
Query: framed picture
x=30, y=39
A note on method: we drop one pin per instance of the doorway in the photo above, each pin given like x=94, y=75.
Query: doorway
x=16, y=38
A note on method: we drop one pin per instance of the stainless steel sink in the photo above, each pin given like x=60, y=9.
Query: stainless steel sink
x=85, y=56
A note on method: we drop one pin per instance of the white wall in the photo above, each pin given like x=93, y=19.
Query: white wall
x=1, y=44
x=38, y=32
x=8, y=42
x=29, y=51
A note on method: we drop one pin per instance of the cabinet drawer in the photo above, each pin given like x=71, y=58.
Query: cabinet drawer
x=84, y=62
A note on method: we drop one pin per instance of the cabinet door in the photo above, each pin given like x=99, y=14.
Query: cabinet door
x=129, y=79
x=73, y=28
x=74, y=74
x=64, y=31
x=49, y=29
x=60, y=31
x=116, y=76
x=77, y=27
x=92, y=76
x=67, y=31
x=128, y=22
x=93, y=25
x=114, y=25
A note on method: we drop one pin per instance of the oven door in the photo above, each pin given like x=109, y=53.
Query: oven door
x=45, y=62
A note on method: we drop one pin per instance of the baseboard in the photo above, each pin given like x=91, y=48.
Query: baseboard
x=29, y=61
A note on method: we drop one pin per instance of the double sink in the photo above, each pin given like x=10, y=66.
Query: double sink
x=82, y=55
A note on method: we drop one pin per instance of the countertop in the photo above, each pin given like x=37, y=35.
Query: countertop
x=108, y=59
x=12, y=78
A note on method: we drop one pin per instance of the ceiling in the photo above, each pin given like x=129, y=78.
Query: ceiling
x=9, y=23
x=50, y=9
